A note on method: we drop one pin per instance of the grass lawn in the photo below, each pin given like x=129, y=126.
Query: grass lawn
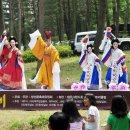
x=70, y=69
x=10, y=119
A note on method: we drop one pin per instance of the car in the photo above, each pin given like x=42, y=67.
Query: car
x=76, y=45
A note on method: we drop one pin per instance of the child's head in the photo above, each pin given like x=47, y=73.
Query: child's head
x=12, y=41
x=58, y=121
x=71, y=110
x=89, y=99
x=119, y=106
x=115, y=43
x=89, y=48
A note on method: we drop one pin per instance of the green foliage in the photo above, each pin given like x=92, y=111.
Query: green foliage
x=28, y=56
x=64, y=51
x=34, y=123
x=15, y=125
x=124, y=35
x=65, y=37
x=40, y=122
x=55, y=38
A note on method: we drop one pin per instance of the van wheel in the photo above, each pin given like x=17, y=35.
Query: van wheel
x=125, y=46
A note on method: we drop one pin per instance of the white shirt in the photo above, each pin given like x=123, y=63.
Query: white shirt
x=94, y=125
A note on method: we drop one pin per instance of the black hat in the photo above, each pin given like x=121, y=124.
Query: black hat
x=12, y=38
x=115, y=40
x=90, y=46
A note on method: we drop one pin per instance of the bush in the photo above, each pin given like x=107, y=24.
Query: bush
x=64, y=51
x=40, y=122
x=35, y=124
x=28, y=56
x=15, y=125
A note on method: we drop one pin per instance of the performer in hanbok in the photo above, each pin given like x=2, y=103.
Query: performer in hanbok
x=48, y=74
x=2, y=38
x=3, y=35
x=90, y=64
x=114, y=59
x=12, y=71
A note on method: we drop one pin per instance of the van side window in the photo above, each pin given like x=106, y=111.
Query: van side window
x=79, y=38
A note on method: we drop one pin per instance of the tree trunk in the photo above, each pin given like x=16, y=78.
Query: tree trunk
x=101, y=24
x=96, y=10
x=66, y=25
x=40, y=23
x=69, y=18
x=117, y=18
x=2, y=25
x=114, y=11
x=126, y=16
x=73, y=18
x=60, y=21
x=23, y=39
x=41, y=16
x=88, y=15
x=35, y=5
x=107, y=15
x=11, y=7
x=19, y=24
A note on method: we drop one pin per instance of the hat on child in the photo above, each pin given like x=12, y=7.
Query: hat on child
x=12, y=38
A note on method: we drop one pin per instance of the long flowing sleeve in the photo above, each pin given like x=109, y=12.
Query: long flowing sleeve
x=21, y=64
x=121, y=63
x=55, y=69
x=2, y=44
x=82, y=60
x=37, y=45
x=106, y=47
x=56, y=76
x=98, y=65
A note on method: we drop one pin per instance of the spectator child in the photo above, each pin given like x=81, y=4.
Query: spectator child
x=76, y=120
x=119, y=117
x=93, y=113
x=58, y=121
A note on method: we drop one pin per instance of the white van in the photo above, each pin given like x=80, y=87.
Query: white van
x=76, y=46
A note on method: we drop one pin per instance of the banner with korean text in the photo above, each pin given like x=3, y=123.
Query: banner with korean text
x=50, y=100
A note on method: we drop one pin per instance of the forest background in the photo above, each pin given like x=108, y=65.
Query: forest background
x=64, y=18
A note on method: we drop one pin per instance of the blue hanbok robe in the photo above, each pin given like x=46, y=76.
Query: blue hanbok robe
x=91, y=75
x=115, y=61
x=117, y=70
